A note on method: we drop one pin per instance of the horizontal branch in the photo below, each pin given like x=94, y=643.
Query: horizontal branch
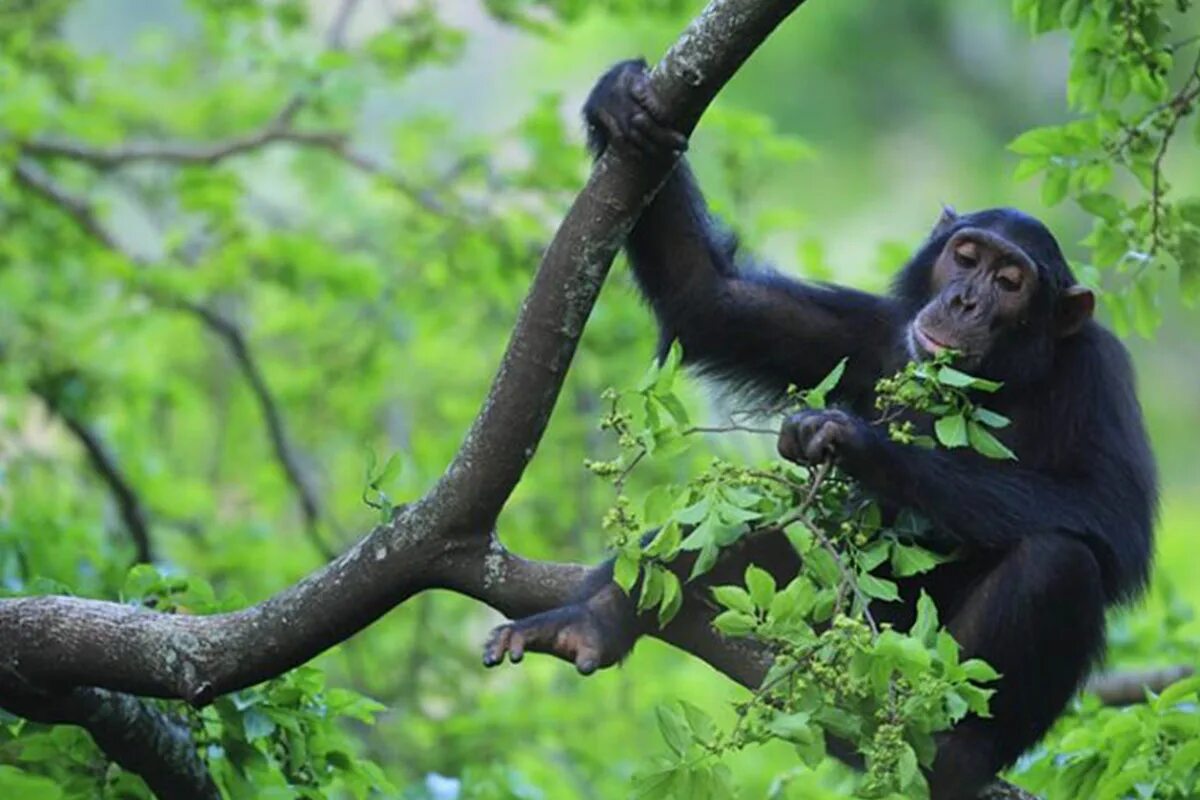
x=1129, y=688
x=201, y=153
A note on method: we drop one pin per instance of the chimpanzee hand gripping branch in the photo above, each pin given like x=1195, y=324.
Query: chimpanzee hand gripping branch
x=1046, y=543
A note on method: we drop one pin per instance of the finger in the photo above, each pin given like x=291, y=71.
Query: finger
x=664, y=139
x=646, y=98
x=611, y=124
x=493, y=651
x=789, y=444
x=516, y=647
x=824, y=444
x=587, y=662
x=637, y=138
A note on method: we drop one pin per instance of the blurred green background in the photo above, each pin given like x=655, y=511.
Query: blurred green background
x=376, y=303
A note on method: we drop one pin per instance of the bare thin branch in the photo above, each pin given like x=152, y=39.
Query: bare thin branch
x=104, y=462
x=203, y=153
x=78, y=209
x=40, y=182
x=285, y=453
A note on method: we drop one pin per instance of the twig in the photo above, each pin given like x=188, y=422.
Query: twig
x=37, y=180
x=285, y=453
x=105, y=464
x=334, y=41
x=202, y=153
x=78, y=209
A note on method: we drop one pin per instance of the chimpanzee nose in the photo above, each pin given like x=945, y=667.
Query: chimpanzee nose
x=960, y=301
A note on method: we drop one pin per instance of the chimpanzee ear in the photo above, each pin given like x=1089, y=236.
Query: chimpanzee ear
x=945, y=221
x=1075, y=307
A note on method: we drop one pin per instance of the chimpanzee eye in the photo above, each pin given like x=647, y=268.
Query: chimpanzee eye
x=966, y=254
x=1009, y=280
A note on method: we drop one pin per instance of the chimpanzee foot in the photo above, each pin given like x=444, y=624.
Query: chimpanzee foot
x=573, y=633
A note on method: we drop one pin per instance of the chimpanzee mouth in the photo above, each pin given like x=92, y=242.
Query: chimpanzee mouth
x=921, y=341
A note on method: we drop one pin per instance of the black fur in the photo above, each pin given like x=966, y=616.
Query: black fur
x=1050, y=540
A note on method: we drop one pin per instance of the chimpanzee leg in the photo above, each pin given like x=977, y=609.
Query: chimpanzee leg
x=1038, y=619
x=601, y=626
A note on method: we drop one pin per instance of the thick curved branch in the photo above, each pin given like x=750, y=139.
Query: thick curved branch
x=439, y=540
x=504, y=436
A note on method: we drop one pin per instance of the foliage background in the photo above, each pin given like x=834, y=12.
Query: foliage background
x=376, y=302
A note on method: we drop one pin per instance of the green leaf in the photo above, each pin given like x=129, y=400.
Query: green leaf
x=625, y=571
x=1102, y=205
x=675, y=408
x=761, y=586
x=949, y=376
x=990, y=418
x=877, y=588
x=734, y=623
x=734, y=597
x=951, y=431
x=796, y=727
x=694, y=513
x=909, y=560
x=17, y=783
x=822, y=566
x=982, y=441
x=704, y=561
x=979, y=671
x=907, y=769
x=816, y=396
x=256, y=725
x=672, y=598
x=674, y=729
x=925, y=627
x=1038, y=142
x=1176, y=692
x=666, y=542
x=652, y=587
x=704, y=730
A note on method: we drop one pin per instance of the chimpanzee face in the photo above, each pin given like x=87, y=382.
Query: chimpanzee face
x=982, y=286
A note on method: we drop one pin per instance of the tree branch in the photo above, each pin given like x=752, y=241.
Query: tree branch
x=129, y=504
x=1129, y=688
x=81, y=212
x=285, y=453
x=33, y=177
x=131, y=732
x=200, y=153
x=439, y=540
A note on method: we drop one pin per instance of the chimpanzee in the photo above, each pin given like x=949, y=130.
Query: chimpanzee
x=1046, y=542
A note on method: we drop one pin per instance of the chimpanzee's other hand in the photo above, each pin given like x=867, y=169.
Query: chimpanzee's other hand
x=811, y=437
x=622, y=110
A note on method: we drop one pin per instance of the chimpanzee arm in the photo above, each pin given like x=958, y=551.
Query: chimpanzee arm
x=989, y=504
x=757, y=328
